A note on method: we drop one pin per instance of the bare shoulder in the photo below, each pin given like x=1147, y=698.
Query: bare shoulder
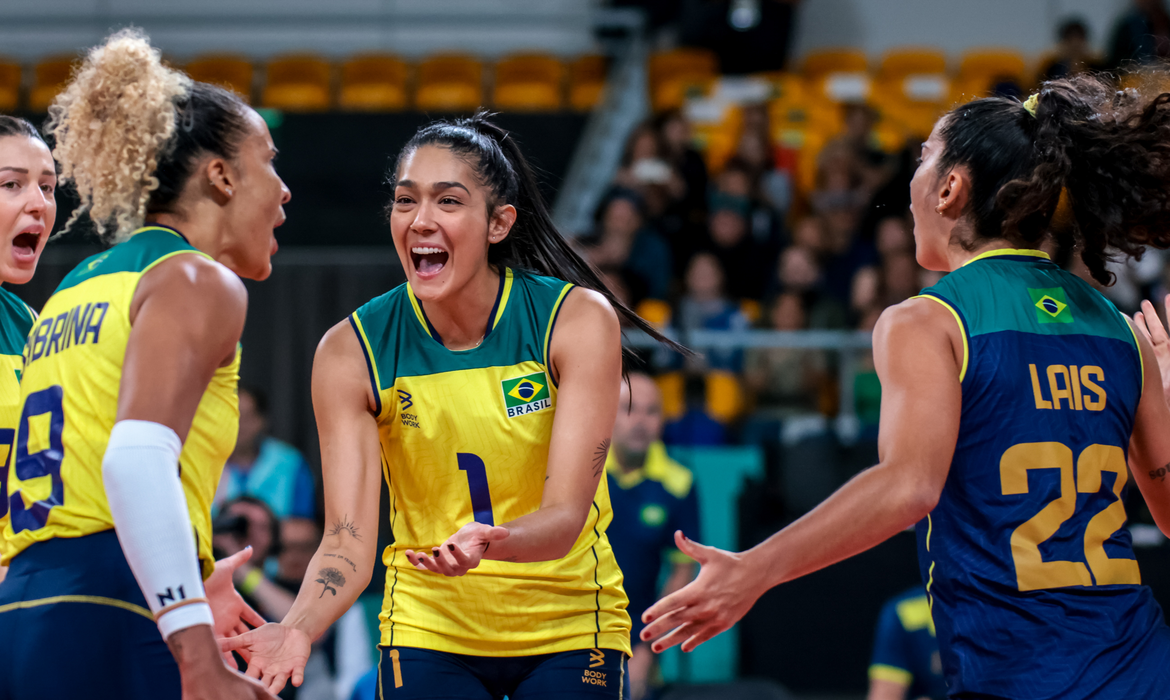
x=194, y=279
x=587, y=330
x=340, y=342
x=587, y=309
x=918, y=329
x=341, y=379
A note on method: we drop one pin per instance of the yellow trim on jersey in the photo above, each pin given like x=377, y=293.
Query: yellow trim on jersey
x=94, y=599
x=962, y=330
x=1028, y=252
x=893, y=674
x=552, y=320
x=418, y=312
x=168, y=256
x=503, y=302
x=357, y=323
x=1141, y=358
x=32, y=314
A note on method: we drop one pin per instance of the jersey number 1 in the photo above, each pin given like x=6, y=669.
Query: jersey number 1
x=1032, y=572
x=477, y=483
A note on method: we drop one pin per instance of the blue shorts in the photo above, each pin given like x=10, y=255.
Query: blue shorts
x=587, y=674
x=74, y=624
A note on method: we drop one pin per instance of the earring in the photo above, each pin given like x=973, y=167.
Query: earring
x=229, y=191
x=938, y=209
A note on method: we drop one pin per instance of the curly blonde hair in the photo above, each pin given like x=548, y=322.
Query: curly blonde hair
x=111, y=123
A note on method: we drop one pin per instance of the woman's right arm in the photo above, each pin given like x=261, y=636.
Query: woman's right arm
x=351, y=468
x=1149, y=451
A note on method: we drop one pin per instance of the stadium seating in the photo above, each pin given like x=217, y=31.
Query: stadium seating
x=297, y=83
x=228, y=71
x=819, y=63
x=529, y=83
x=374, y=82
x=586, y=82
x=678, y=74
x=900, y=63
x=449, y=83
x=49, y=77
x=10, y=78
x=725, y=400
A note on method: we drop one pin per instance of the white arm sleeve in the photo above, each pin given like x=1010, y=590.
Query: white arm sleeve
x=140, y=471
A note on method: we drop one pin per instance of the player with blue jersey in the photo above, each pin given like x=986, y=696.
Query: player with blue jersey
x=1013, y=396
x=484, y=389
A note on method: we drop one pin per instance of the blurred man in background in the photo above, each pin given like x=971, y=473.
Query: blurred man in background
x=652, y=496
x=906, y=663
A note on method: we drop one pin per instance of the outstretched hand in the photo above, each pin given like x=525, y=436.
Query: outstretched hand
x=276, y=653
x=232, y=615
x=1149, y=325
x=725, y=589
x=462, y=551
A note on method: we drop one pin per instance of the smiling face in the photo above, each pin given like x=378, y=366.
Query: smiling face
x=28, y=208
x=441, y=222
x=256, y=207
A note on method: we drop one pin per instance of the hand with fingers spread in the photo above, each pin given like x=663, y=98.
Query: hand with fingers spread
x=462, y=551
x=725, y=589
x=1149, y=325
x=277, y=654
x=232, y=615
x=203, y=675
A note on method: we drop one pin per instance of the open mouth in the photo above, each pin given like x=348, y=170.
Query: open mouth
x=25, y=243
x=428, y=261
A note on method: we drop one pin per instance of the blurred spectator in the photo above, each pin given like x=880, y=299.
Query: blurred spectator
x=899, y=277
x=1073, y=54
x=744, y=259
x=629, y=289
x=264, y=467
x=754, y=151
x=765, y=223
x=705, y=306
x=1141, y=35
x=674, y=137
x=247, y=521
x=695, y=427
x=906, y=663
x=871, y=161
x=652, y=496
x=624, y=242
x=798, y=271
x=783, y=382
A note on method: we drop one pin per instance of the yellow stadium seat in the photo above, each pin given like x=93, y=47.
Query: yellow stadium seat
x=49, y=78
x=817, y=63
x=725, y=401
x=751, y=310
x=529, y=82
x=990, y=64
x=785, y=86
x=685, y=62
x=227, y=71
x=297, y=83
x=9, y=85
x=373, y=82
x=655, y=312
x=913, y=101
x=449, y=83
x=899, y=63
x=674, y=92
x=672, y=386
x=586, y=82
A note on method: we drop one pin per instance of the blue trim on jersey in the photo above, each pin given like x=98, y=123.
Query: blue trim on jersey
x=369, y=365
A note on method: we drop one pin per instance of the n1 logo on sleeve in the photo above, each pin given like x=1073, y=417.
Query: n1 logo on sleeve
x=527, y=394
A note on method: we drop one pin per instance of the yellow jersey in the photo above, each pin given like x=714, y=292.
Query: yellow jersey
x=69, y=400
x=465, y=435
x=16, y=320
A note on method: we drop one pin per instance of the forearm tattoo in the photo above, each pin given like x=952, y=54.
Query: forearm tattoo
x=347, y=560
x=344, y=525
x=330, y=577
x=1160, y=473
x=599, y=456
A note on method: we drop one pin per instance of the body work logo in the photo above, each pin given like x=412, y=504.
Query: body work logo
x=527, y=394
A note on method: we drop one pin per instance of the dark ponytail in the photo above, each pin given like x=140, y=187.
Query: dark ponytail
x=534, y=242
x=15, y=126
x=1099, y=154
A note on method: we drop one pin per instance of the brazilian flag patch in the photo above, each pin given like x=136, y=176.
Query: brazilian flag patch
x=1051, y=305
x=527, y=394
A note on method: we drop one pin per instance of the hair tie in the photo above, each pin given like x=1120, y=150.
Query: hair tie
x=1031, y=103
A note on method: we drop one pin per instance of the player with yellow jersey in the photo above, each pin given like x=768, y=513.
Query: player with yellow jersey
x=128, y=406
x=28, y=209
x=485, y=390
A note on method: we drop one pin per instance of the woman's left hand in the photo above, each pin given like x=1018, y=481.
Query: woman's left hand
x=462, y=551
x=1148, y=323
x=227, y=607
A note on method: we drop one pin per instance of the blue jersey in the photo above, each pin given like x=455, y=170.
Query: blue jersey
x=1034, y=588
x=905, y=650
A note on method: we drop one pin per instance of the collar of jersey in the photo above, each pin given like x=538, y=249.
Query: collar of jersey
x=1010, y=252
x=160, y=227
x=494, y=317
x=655, y=458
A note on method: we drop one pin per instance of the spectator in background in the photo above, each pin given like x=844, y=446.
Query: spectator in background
x=870, y=161
x=1141, y=35
x=651, y=496
x=247, y=521
x=1073, y=54
x=624, y=242
x=705, y=306
x=782, y=383
x=765, y=223
x=741, y=256
x=674, y=135
x=695, y=427
x=264, y=467
x=754, y=150
x=906, y=663
x=799, y=272
x=899, y=278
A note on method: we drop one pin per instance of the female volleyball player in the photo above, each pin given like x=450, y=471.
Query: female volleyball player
x=1012, y=395
x=487, y=385
x=28, y=208
x=128, y=405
